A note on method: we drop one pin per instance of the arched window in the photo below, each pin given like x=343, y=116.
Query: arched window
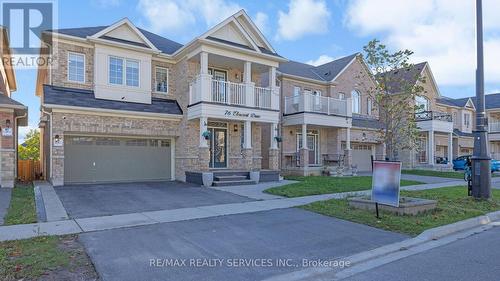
x=422, y=103
x=356, y=102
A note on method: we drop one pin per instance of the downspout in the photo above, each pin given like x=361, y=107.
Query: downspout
x=17, y=142
x=50, y=143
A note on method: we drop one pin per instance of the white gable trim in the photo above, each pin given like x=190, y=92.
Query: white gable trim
x=256, y=29
x=426, y=66
x=238, y=25
x=127, y=22
x=470, y=103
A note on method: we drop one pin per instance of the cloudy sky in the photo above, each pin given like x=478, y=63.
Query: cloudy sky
x=441, y=32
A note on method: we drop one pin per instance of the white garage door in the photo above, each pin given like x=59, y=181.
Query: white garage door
x=109, y=159
x=361, y=156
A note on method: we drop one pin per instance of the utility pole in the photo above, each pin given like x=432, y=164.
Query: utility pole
x=481, y=173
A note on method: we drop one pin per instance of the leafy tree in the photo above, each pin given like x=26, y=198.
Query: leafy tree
x=394, y=96
x=30, y=149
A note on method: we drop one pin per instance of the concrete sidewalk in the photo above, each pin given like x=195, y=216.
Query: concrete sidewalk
x=146, y=218
x=255, y=191
x=53, y=209
x=5, y=195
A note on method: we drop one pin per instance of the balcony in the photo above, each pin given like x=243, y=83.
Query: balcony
x=311, y=109
x=206, y=89
x=434, y=121
x=494, y=126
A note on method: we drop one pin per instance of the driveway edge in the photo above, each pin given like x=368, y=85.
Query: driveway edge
x=431, y=235
x=54, y=209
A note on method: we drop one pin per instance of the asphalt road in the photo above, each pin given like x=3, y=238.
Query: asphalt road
x=251, y=246
x=474, y=258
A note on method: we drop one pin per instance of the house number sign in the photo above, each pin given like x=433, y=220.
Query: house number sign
x=236, y=113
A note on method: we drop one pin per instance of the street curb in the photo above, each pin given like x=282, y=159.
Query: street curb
x=426, y=236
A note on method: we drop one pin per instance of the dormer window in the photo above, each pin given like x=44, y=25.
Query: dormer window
x=121, y=70
x=76, y=67
x=356, y=102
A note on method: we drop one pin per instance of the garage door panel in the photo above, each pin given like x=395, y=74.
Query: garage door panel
x=361, y=156
x=117, y=159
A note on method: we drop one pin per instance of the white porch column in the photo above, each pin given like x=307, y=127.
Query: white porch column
x=203, y=128
x=274, y=134
x=249, y=85
x=275, y=98
x=304, y=136
x=431, y=148
x=204, y=63
x=450, y=148
x=247, y=135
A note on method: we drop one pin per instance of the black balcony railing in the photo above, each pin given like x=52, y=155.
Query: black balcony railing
x=433, y=115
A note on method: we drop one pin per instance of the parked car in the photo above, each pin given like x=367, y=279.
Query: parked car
x=459, y=163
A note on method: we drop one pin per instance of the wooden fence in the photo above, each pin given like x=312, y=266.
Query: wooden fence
x=28, y=170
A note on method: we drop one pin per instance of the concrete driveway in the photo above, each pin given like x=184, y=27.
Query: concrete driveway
x=83, y=201
x=255, y=240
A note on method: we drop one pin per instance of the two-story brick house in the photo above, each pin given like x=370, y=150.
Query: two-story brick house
x=124, y=104
x=328, y=116
x=12, y=115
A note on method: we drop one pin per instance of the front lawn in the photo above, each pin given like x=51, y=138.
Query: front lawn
x=314, y=185
x=47, y=258
x=22, y=206
x=453, y=205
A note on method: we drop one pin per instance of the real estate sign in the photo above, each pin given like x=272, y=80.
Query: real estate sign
x=386, y=182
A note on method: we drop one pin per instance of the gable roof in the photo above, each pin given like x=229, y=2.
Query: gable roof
x=54, y=95
x=325, y=72
x=411, y=75
x=453, y=102
x=163, y=44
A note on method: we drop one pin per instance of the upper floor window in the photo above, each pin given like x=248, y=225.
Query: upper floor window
x=115, y=70
x=132, y=73
x=369, y=106
x=467, y=120
x=356, y=102
x=296, y=94
x=76, y=67
x=121, y=70
x=161, y=80
x=342, y=96
x=422, y=103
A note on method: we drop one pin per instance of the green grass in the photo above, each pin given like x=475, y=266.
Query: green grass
x=314, y=185
x=22, y=206
x=31, y=258
x=453, y=205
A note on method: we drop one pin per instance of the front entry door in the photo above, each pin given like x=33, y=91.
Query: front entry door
x=218, y=148
x=312, y=145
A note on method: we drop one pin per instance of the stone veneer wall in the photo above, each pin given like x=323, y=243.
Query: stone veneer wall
x=7, y=152
x=106, y=125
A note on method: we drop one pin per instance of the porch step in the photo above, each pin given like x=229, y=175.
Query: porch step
x=230, y=178
x=232, y=183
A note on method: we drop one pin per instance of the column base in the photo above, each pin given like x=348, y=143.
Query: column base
x=247, y=154
x=204, y=159
x=274, y=159
x=304, y=157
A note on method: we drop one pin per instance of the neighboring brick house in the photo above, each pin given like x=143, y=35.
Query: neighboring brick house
x=328, y=116
x=12, y=115
x=124, y=104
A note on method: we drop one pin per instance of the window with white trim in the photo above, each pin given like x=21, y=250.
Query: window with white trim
x=161, y=79
x=296, y=94
x=132, y=73
x=76, y=67
x=467, y=120
x=115, y=70
x=123, y=71
x=356, y=101
x=342, y=96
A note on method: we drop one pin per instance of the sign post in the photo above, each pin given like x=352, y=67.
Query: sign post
x=386, y=183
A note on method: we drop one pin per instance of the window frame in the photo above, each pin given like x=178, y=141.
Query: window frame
x=427, y=103
x=155, y=90
x=84, y=65
x=358, y=94
x=124, y=71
